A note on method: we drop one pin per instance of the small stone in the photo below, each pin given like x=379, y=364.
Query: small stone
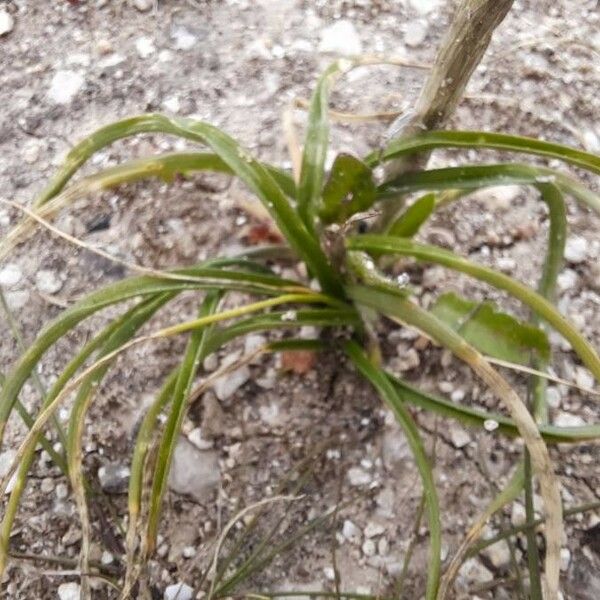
x=143, y=5
x=473, y=570
x=48, y=282
x=6, y=459
x=406, y=360
x=415, y=34
x=188, y=552
x=72, y=536
x=564, y=419
x=357, y=477
x=518, y=515
x=104, y=47
x=506, y=264
x=10, y=275
x=373, y=530
x=195, y=436
x=114, y=478
x=351, y=532
x=6, y=22
x=172, y=104
x=459, y=437
x=490, y=425
x=65, y=85
x=183, y=39
x=145, y=46
x=178, y=591
x=395, y=449
x=16, y=299
x=424, y=7
x=565, y=559
x=369, y=548
x=213, y=417
x=498, y=554
x=383, y=547
x=553, y=396
x=341, y=38
x=329, y=573
x=576, y=249
x=194, y=472
x=31, y=152
x=69, y=591
x=62, y=491
x=591, y=141
x=227, y=385
x=567, y=280
x=47, y=485
x=583, y=378
x=107, y=558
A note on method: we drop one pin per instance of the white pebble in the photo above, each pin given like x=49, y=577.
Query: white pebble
x=107, y=558
x=143, y=5
x=69, y=591
x=62, y=491
x=576, y=249
x=567, y=280
x=369, y=548
x=64, y=86
x=48, y=282
x=341, y=38
x=145, y=46
x=415, y=34
x=178, y=591
x=183, y=39
x=10, y=275
x=565, y=559
x=583, y=378
x=351, y=532
x=6, y=22
x=358, y=477
x=373, y=530
x=459, y=437
x=6, y=459
x=490, y=425
x=564, y=419
x=195, y=436
x=188, y=552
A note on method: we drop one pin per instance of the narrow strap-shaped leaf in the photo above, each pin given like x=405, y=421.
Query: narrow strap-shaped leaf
x=412, y=219
x=312, y=172
x=478, y=176
x=195, y=352
x=485, y=139
x=238, y=160
x=119, y=292
x=428, y=253
x=389, y=394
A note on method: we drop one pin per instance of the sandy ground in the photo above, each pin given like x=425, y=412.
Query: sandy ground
x=68, y=67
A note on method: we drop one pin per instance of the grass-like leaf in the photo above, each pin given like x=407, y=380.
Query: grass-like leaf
x=492, y=332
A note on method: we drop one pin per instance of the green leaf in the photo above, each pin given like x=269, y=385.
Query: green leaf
x=379, y=380
x=312, y=171
x=484, y=139
x=480, y=176
x=492, y=332
x=411, y=220
x=348, y=190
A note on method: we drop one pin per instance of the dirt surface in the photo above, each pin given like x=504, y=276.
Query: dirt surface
x=68, y=67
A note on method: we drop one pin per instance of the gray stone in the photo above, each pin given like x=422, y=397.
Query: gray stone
x=6, y=22
x=395, y=449
x=227, y=385
x=358, y=477
x=459, y=437
x=69, y=591
x=351, y=532
x=48, y=282
x=194, y=472
x=114, y=478
x=195, y=436
x=373, y=530
x=473, y=571
x=65, y=85
x=498, y=554
x=369, y=548
x=183, y=39
x=178, y=591
x=341, y=38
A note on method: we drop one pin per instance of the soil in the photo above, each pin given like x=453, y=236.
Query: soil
x=239, y=65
